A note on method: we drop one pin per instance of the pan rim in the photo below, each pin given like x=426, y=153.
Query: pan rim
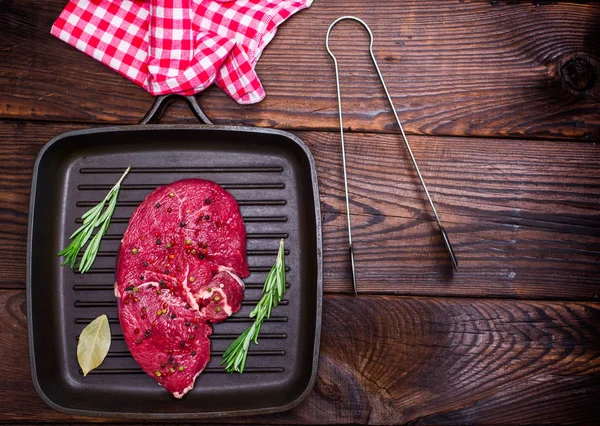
x=176, y=416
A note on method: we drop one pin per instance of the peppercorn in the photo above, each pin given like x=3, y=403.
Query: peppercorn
x=207, y=217
x=182, y=224
x=214, y=272
x=135, y=251
x=136, y=331
x=173, y=316
x=146, y=264
x=166, y=272
x=163, y=365
x=169, y=210
x=170, y=360
x=171, y=194
x=172, y=370
x=192, y=279
x=157, y=205
x=187, y=323
x=191, y=337
x=193, y=353
x=138, y=340
x=188, y=242
x=209, y=289
x=182, y=343
x=200, y=256
x=175, y=364
x=168, y=245
x=217, y=298
x=157, y=373
x=129, y=288
x=158, y=242
x=181, y=368
x=141, y=278
x=207, y=201
x=218, y=309
x=162, y=284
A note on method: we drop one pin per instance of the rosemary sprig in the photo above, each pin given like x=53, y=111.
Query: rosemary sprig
x=236, y=354
x=93, y=218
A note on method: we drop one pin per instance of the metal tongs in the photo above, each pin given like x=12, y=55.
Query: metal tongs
x=412, y=157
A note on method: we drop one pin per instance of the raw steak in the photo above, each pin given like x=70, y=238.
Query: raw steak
x=179, y=269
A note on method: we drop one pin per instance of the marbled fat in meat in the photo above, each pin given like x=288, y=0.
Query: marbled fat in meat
x=180, y=268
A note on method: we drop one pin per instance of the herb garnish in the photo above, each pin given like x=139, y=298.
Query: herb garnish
x=92, y=219
x=236, y=354
x=93, y=345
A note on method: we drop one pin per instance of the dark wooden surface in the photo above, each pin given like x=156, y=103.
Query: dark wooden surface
x=501, y=101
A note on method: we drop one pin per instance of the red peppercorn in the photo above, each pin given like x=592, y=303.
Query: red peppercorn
x=136, y=331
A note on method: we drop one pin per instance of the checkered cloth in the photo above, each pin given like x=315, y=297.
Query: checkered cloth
x=178, y=46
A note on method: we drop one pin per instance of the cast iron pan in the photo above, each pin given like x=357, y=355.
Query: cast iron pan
x=272, y=175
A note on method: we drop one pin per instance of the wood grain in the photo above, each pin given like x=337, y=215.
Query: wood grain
x=511, y=69
x=522, y=215
x=389, y=360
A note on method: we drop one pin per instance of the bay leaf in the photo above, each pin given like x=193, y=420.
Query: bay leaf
x=93, y=345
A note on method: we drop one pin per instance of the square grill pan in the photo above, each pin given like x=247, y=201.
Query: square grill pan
x=272, y=175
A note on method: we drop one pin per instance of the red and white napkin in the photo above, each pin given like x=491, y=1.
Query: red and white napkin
x=178, y=46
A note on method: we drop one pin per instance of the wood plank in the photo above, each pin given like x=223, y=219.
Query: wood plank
x=516, y=69
x=388, y=360
x=523, y=215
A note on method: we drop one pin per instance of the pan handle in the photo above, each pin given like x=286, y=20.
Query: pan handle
x=162, y=102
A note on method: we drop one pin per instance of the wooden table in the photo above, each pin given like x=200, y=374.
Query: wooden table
x=501, y=102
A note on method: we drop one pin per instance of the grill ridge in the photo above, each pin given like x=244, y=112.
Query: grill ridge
x=112, y=303
x=151, y=187
x=216, y=169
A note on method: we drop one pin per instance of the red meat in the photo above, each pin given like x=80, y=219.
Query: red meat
x=179, y=269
